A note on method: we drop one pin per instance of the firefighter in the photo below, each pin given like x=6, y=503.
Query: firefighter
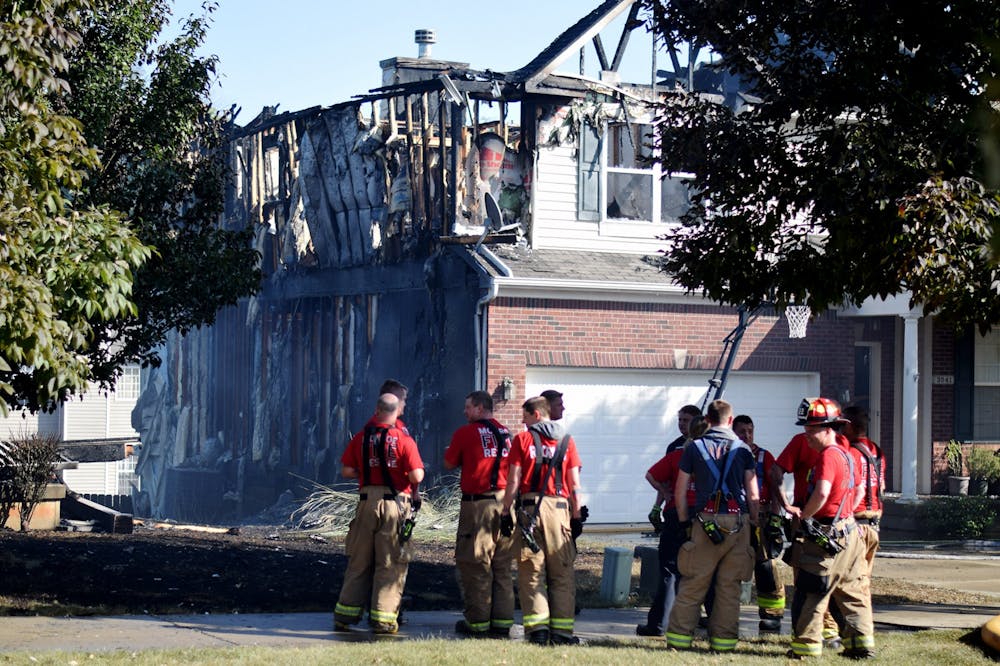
x=387, y=464
x=767, y=540
x=828, y=551
x=482, y=554
x=868, y=513
x=545, y=473
x=725, y=509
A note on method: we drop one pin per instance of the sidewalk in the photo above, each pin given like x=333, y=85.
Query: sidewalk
x=961, y=571
x=95, y=634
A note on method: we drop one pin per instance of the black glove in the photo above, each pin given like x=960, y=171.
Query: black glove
x=417, y=503
x=584, y=513
x=654, y=518
x=576, y=527
x=506, y=524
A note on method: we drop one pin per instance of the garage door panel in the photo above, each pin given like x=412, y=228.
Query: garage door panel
x=622, y=421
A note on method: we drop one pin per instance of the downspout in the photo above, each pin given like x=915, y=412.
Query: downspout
x=482, y=305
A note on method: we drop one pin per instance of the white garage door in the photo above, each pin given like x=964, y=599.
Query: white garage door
x=622, y=421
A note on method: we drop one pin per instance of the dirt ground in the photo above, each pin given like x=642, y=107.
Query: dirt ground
x=158, y=571
x=260, y=569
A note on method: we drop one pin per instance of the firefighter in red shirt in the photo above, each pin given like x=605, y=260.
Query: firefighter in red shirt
x=482, y=554
x=545, y=474
x=798, y=458
x=399, y=390
x=829, y=551
x=868, y=513
x=387, y=464
x=662, y=476
x=767, y=578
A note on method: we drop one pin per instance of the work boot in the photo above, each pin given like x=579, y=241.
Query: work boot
x=463, y=629
x=341, y=626
x=832, y=643
x=539, y=637
x=769, y=625
x=500, y=632
x=384, y=627
x=563, y=639
x=646, y=630
x=858, y=653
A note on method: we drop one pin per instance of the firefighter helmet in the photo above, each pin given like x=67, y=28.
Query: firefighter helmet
x=819, y=411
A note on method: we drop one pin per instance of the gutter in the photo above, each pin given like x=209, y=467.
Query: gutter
x=482, y=329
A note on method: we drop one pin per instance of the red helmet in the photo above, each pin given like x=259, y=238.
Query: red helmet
x=819, y=411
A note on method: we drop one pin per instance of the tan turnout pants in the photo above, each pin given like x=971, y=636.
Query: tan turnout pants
x=822, y=578
x=377, y=560
x=483, y=557
x=546, y=579
x=698, y=561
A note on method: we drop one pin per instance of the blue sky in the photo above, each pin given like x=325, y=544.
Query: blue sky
x=302, y=53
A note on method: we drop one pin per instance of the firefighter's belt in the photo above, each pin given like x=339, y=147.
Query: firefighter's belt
x=529, y=502
x=471, y=497
x=402, y=498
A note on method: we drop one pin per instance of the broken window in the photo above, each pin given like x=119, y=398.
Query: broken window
x=636, y=188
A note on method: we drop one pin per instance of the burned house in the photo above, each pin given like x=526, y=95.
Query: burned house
x=460, y=228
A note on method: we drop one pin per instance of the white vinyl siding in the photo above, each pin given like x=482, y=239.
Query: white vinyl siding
x=622, y=421
x=99, y=478
x=555, y=204
x=19, y=423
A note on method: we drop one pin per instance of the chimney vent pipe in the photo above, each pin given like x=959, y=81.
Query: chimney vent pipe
x=424, y=38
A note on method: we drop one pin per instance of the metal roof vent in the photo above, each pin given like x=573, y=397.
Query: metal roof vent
x=424, y=38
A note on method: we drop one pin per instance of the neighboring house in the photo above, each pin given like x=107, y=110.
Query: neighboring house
x=377, y=264
x=95, y=429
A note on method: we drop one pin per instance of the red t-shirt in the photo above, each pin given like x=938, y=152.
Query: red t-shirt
x=402, y=457
x=474, y=448
x=522, y=454
x=799, y=459
x=871, y=479
x=833, y=465
x=665, y=471
x=763, y=460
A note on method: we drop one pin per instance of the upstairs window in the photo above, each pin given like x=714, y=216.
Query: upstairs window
x=622, y=181
x=637, y=188
x=127, y=386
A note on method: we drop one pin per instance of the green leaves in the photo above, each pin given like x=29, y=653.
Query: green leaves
x=859, y=174
x=164, y=155
x=60, y=268
x=101, y=257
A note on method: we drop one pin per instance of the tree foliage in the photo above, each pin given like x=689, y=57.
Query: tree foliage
x=858, y=172
x=66, y=264
x=146, y=104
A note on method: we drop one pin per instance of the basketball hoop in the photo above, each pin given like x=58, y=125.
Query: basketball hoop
x=798, y=319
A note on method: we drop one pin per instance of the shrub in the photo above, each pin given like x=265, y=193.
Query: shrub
x=953, y=457
x=26, y=467
x=958, y=517
x=982, y=463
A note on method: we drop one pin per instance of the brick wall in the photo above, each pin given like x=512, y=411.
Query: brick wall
x=607, y=334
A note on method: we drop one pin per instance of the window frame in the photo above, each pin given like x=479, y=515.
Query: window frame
x=611, y=226
x=128, y=386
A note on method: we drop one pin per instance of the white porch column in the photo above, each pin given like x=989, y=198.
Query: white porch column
x=908, y=436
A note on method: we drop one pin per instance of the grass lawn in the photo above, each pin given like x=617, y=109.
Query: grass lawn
x=925, y=647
